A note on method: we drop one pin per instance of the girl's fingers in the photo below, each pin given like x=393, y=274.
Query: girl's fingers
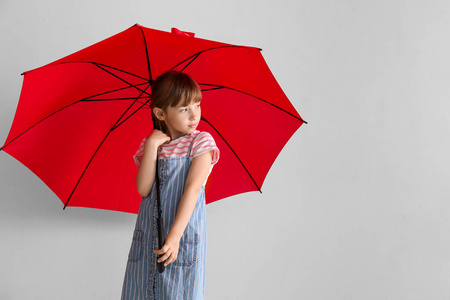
x=164, y=257
x=168, y=255
x=171, y=260
x=161, y=251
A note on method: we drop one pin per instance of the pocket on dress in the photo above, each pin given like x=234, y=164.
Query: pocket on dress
x=187, y=252
x=136, y=246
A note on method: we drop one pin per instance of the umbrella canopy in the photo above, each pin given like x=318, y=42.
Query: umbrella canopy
x=80, y=119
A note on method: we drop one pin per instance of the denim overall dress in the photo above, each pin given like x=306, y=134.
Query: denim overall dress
x=184, y=278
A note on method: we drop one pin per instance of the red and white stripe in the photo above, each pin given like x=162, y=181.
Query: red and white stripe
x=179, y=147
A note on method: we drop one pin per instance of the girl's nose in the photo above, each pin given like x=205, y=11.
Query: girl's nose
x=193, y=115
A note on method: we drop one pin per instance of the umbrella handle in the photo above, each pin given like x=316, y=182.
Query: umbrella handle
x=161, y=236
x=161, y=240
x=155, y=124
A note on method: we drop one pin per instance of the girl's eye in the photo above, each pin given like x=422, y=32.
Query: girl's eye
x=183, y=110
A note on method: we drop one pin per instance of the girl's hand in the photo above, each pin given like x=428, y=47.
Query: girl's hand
x=157, y=138
x=170, y=250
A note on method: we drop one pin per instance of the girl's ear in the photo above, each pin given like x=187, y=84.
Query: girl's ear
x=159, y=113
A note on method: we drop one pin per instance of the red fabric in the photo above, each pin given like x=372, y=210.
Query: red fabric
x=62, y=127
x=191, y=34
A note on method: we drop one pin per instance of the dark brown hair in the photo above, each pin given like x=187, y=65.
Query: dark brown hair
x=170, y=89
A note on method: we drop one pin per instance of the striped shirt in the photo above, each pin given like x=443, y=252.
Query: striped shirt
x=179, y=148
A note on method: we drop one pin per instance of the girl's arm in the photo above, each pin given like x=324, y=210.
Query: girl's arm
x=147, y=170
x=196, y=177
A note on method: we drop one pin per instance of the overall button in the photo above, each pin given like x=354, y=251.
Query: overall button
x=155, y=232
x=152, y=267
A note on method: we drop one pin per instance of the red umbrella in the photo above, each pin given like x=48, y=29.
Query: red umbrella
x=80, y=119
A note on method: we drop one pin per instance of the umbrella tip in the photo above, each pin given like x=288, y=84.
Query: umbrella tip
x=185, y=33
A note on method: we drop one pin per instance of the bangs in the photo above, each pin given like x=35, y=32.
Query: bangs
x=190, y=95
x=187, y=91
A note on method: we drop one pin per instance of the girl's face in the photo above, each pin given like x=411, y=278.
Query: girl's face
x=180, y=120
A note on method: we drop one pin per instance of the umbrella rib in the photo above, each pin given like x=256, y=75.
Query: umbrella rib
x=112, y=91
x=98, y=148
x=258, y=98
x=196, y=55
x=39, y=122
x=118, y=77
x=210, y=49
x=112, y=99
x=86, y=62
x=117, y=69
x=81, y=100
x=148, y=58
x=212, y=89
x=245, y=168
x=115, y=126
x=190, y=62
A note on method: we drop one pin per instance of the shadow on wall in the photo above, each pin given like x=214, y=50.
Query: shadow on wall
x=25, y=197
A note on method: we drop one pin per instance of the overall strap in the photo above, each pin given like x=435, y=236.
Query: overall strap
x=192, y=143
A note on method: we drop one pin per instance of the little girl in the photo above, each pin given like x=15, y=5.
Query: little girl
x=186, y=157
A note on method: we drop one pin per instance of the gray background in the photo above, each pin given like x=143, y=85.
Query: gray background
x=355, y=207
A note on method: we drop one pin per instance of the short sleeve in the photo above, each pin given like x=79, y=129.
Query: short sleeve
x=138, y=156
x=205, y=143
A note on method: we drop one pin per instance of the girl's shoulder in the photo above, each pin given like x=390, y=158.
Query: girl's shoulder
x=139, y=153
x=204, y=142
x=202, y=136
